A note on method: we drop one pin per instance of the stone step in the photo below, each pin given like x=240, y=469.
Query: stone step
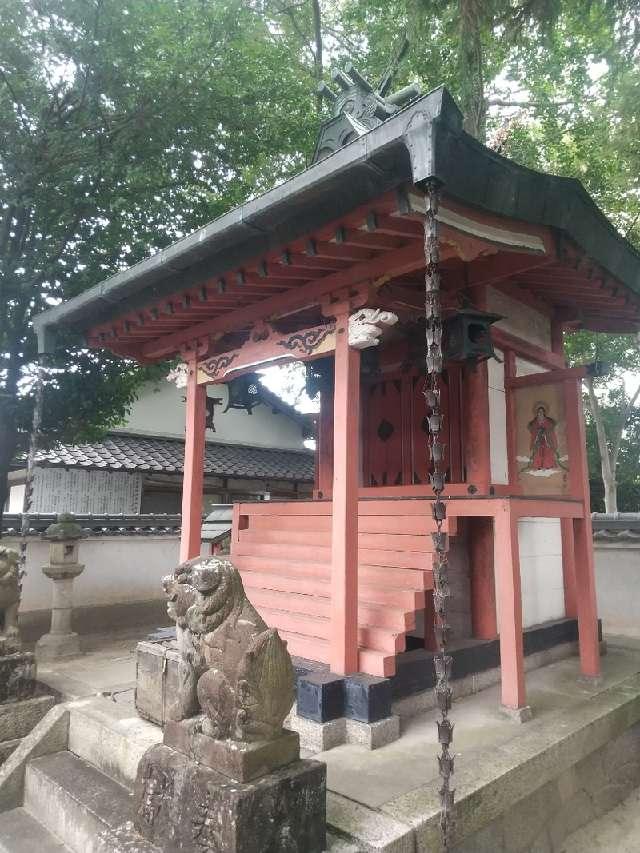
x=75, y=801
x=110, y=736
x=20, y=832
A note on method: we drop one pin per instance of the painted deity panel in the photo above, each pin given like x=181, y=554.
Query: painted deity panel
x=541, y=442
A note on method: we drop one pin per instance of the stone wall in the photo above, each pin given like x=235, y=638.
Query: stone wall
x=540, y=822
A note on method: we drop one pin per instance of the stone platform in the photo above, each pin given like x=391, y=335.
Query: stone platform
x=518, y=785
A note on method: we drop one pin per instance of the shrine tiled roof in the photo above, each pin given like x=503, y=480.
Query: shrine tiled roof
x=123, y=452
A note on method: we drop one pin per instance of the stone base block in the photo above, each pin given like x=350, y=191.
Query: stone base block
x=518, y=715
x=52, y=647
x=182, y=805
x=373, y=735
x=17, y=676
x=317, y=737
x=157, y=680
x=238, y=760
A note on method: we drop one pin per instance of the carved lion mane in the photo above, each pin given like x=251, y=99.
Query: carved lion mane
x=234, y=671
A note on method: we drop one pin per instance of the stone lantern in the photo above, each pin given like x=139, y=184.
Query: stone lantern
x=63, y=568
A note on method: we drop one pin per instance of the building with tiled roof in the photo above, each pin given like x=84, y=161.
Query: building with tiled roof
x=138, y=468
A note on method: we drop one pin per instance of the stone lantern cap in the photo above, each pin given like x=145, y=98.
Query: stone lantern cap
x=64, y=529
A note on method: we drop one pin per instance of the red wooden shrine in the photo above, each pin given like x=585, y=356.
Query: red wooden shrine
x=346, y=577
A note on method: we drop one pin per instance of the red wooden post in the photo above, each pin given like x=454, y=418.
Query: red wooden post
x=477, y=454
x=324, y=451
x=478, y=472
x=193, y=477
x=585, y=584
x=483, y=590
x=343, y=653
x=569, y=567
x=507, y=559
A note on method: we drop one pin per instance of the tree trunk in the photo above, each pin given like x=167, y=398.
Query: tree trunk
x=610, y=494
x=607, y=459
x=317, y=54
x=8, y=441
x=471, y=69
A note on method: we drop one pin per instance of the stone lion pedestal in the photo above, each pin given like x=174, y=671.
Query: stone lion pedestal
x=23, y=702
x=227, y=776
x=17, y=667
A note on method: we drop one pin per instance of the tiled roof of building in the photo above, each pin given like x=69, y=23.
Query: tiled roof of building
x=139, y=453
x=616, y=526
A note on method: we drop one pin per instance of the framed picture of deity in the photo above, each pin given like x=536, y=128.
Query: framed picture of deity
x=542, y=456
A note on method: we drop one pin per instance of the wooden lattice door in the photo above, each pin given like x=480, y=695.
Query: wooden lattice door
x=395, y=429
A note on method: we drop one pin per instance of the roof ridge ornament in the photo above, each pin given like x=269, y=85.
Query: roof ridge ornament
x=357, y=106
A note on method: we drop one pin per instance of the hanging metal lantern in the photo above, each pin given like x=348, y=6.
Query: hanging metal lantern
x=319, y=376
x=244, y=393
x=467, y=335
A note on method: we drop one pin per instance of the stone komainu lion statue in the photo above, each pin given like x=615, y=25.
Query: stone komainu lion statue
x=9, y=598
x=233, y=669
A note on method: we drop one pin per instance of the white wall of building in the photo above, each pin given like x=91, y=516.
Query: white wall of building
x=160, y=411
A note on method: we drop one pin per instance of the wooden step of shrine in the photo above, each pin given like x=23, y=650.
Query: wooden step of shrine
x=283, y=552
x=369, y=614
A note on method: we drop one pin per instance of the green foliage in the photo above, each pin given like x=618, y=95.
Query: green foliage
x=124, y=124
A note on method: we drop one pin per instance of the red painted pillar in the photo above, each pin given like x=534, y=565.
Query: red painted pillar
x=483, y=590
x=343, y=653
x=507, y=559
x=477, y=455
x=477, y=452
x=586, y=599
x=193, y=477
x=569, y=567
x=585, y=584
x=324, y=450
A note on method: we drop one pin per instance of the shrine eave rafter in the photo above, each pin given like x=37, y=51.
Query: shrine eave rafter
x=424, y=140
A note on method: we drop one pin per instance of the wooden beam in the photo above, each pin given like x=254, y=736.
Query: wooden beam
x=561, y=375
x=398, y=262
x=503, y=266
x=530, y=352
x=268, y=347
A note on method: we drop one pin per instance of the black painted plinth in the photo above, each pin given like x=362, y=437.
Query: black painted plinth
x=320, y=696
x=367, y=698
x=17, y=676
x=181, y=805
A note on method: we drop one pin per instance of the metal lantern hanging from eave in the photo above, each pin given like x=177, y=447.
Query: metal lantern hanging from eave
x=244, y=393
x=467, y=335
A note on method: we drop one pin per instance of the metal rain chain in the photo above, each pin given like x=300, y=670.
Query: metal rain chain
x=441, y=589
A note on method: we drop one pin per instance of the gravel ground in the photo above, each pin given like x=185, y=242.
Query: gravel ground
x=616, y=832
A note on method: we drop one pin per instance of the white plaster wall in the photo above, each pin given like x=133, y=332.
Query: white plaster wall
x=541, y=570
x=541, y=577
x=618, y=587
x=520, y=319
x=160, y=410
x=497, y=421
x=118, y=570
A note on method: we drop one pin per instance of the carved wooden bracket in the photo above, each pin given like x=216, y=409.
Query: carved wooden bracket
x=267, y=346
